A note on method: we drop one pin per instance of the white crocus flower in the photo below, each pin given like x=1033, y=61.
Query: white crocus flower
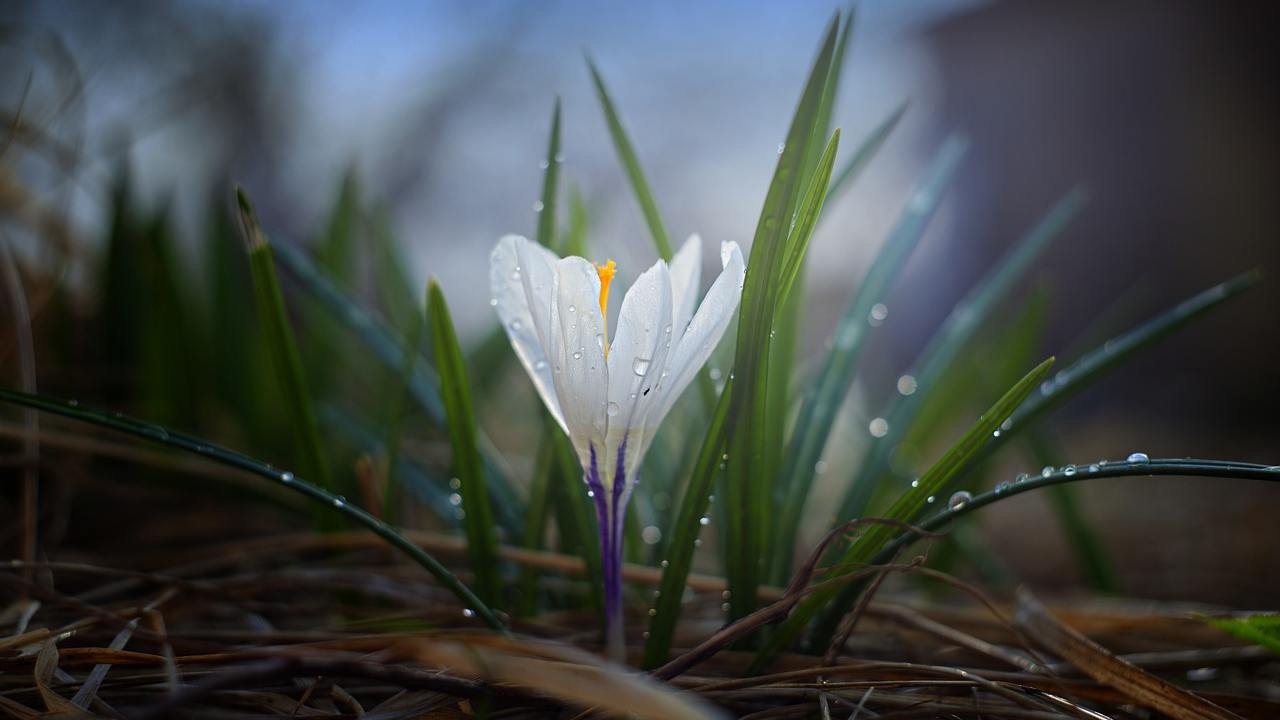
x=609, y=392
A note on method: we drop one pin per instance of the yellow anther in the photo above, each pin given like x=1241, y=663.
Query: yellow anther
x=606, y=271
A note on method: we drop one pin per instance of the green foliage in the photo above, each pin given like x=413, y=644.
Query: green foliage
x=482, y=543
x=284, y=353
x=1261, y=630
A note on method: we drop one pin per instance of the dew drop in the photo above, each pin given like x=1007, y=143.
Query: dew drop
x=704, y=520
x=664, y=563
x=577, y=355
x=1094, y=468
x=714, y=373
x=537, y=206
x=468, y=612
x=651, y=535
x=1002, y=487
x=1138, y=457
x=930, y=499
x=1022, y=477
x=915, y=483
x=455, y=499
x=878, y=427
x=697, y=543
x=724, y=607
x=493, y=302
x=995, y=433
x=781, y=147
x=73, y=403
x=573, y=308
x=286, y=477
x=544, y=165
x=516, y=325
x=907, y=385
x=339, y=501
x=455, y=483
x=1069, y=470
x=879, y=312
x=1046, y=471
x=653, y=611
x=515, y=274
x=640, y=365
x=613, y=409
x=820, y=467
x=540, y=365
x=959, y=500
x=600, y=340
x=559, y=157
x=591, y=493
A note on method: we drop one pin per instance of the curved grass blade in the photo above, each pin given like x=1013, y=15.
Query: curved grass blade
x=482, y=542
x=826, y=395
x=284, y=352
x=684, y=530
x=550, y=183
x=947, y=343
x=905, y=509
x=1093, y=364
x=630, y=163
x=231, y=458
x=748, y=485
x=807, y=214
x=1184, y=467
x=387, y=347
x=537, y=511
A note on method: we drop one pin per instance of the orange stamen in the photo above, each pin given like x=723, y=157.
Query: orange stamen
x=606, y=272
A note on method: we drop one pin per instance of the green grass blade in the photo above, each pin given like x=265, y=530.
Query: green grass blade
x=1113, y=352
x=396, y=295
x=575, y=236
x=550, y=183
x=1261, y=629
x=1185, y=467
x=336, y=250
x=482, y=542
x=230, y=458
x=906, y=509
x=827, y=393
x=284, y=352
x=864, y=154
x=947, y=343
x=386, y=346
x=683, y=533
x=807, y=214
x=631, y=164
x=577, y=517
x=748, y=484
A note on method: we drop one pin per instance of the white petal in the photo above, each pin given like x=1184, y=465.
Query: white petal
x=521, y=275
x=706, y=329
x=686, y=270
x=637, y=364
x=577, y=354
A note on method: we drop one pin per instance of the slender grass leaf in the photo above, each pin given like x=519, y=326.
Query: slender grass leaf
x=395, y=293
x=1181, y=467
x=575, y=236
x=386, y=347
x=284, y=352
x=906, y=509
x=807, y=214
x=683, y=534
x=748, y=485
x=822, y=402
x=1261, y=629
x=550, y=183
x=336, y=247
x=577, y=518
x=482, y=543
x=231, y=458
x=630, y=163
x=1094, y=364
x=947, y=343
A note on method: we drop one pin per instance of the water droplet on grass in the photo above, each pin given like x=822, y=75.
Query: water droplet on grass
x=1138, y=457
x=959, y=500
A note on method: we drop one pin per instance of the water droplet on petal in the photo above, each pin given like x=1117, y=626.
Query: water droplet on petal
x=515, y=274
x=781, y=148
x=577, y=355
x=493, y=302
x=573, y=308
x=516, y=325
x=540, y=365
x=613, y=409
x=640, y=365
x=1139, y=457
x=820, y=467
x=959, y=500
x=537, y=206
